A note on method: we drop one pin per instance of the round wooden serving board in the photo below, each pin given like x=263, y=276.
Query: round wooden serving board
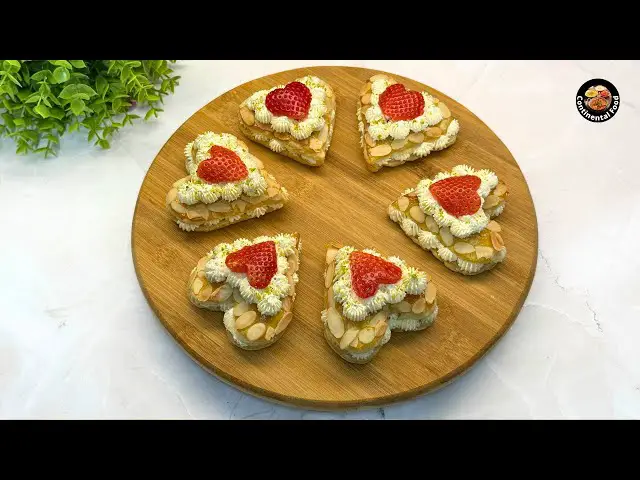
x=340, y=201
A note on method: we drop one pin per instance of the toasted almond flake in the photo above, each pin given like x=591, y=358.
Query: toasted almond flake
x=247, y=116
x=365, y=99
x=354, y=344
x=171, y=196
x=219, y=207
x=348, y=337
x=223, y=293
x=370, y=141
x=205, y=293
x=496, y=241
x=254, y=200
x=398, y=144
x=430, y=293
x=417, y=214
x=287, y=304
x=270, y=333
x=378, y=317
x=331, y=255
x=273, y=191
x=197, y=286
x=411, y=194
x=258, y=163
x=484, y=252
x=380, y=150
x=416, y=137
x=256, y=331
x=366, y=88
x=324, y=133
x=330, y=300
x=334, y=323
x=444, y=124
x=328, y=278
x=446, y=113
x=378, y=76
x=447, y=237
x=367, y=334
x=237, y=296
x=243, y=145
x=240, y=205
x=433, y=132
x=246, y=319
x=282, y=136
x=198, y=211
x=201, y=263
x=431, y=224
x=463, y=248
x=500, y=190
x=418, y=306
x=315, y=144
x=284, y=322
x=403, y=306
x=381, y=328
x=491, y=201
x=494, y=226
x=403, y=203
x=178, y=207
x=293, y=264
x=177, y=183
x=240, y=308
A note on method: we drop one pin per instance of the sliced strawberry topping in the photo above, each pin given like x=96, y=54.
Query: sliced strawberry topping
x=398, y=103
x=292, y=101
x=457, y=195
x=259, y=262
x=369, y=271
x=223, y=165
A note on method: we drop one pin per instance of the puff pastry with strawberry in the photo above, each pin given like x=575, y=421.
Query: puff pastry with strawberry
x=450, y=215
x=225, y=185
x=295, y=120
x=254, y=283
x=367, y=296
x=398, y=125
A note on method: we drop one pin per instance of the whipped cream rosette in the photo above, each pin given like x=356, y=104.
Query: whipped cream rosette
x=367, y=296
x=450, y=215
x=295, y=120
x=398, y=125
x=226, y=184
x=253, y=282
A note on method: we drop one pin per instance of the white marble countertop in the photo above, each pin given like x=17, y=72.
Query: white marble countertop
x=78, y=340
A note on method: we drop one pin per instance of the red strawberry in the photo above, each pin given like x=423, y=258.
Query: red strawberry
x=369, y=271
x=398, y=103
x=292, y=101
x=223, y=165
x=457, y=195
x=259, y=262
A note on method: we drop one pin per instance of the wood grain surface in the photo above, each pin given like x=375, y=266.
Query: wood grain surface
x=343, y=202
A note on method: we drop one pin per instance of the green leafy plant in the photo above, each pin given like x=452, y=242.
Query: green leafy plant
x=43, y=99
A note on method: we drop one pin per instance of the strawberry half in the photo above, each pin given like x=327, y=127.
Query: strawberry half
x=259, y=262
x=223, y=165
x=398, y=103
x=292, y=101
x=368, y=272
x=457, y=195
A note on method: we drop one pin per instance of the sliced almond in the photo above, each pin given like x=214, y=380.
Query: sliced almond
x=270, y=333
x=201, y=263
x=431, y=224
x=256, y=331
x=403, y=306
x=496, y=241
x=355, y=343
x=484, y=252
x=171, y=196
x=494, y=226
x=411, y=194
x=446, y=113
x=282, y=136
x=331, y=254
x=243, y=145
x=273, y=191
x=367, y=334
x=197, y=286
x=380, y=150
x=433, y=132
x=287, y=304
x=378, y=317
x=247, y=116
x=258, y=163
x=205, y=293
x=365, y=99
x=254, y=200
x=416, y=137
x=444, y=124
x=403, y=203
x=369, y=140
x=240, y=308
x=223, y=293
x=366, y=88
x=330, y=300
x=379, y=76
x=463, y=248
x=284, y=322
x=417, y=214
x=178, y=207
x=324, y=133
x=348, y=337
x=334, y=323
x=240, y=205
x=293, y=264
x=177, y=183
x=381, y=328
x=500, y=190
x=418, y=306
x=199, y=210
x=315, y=144
x=328, y=279
x=398, y=144
x=430, y=293
x=219, y=207
x=447, y=238
x=246, y=319
x=491, y=201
